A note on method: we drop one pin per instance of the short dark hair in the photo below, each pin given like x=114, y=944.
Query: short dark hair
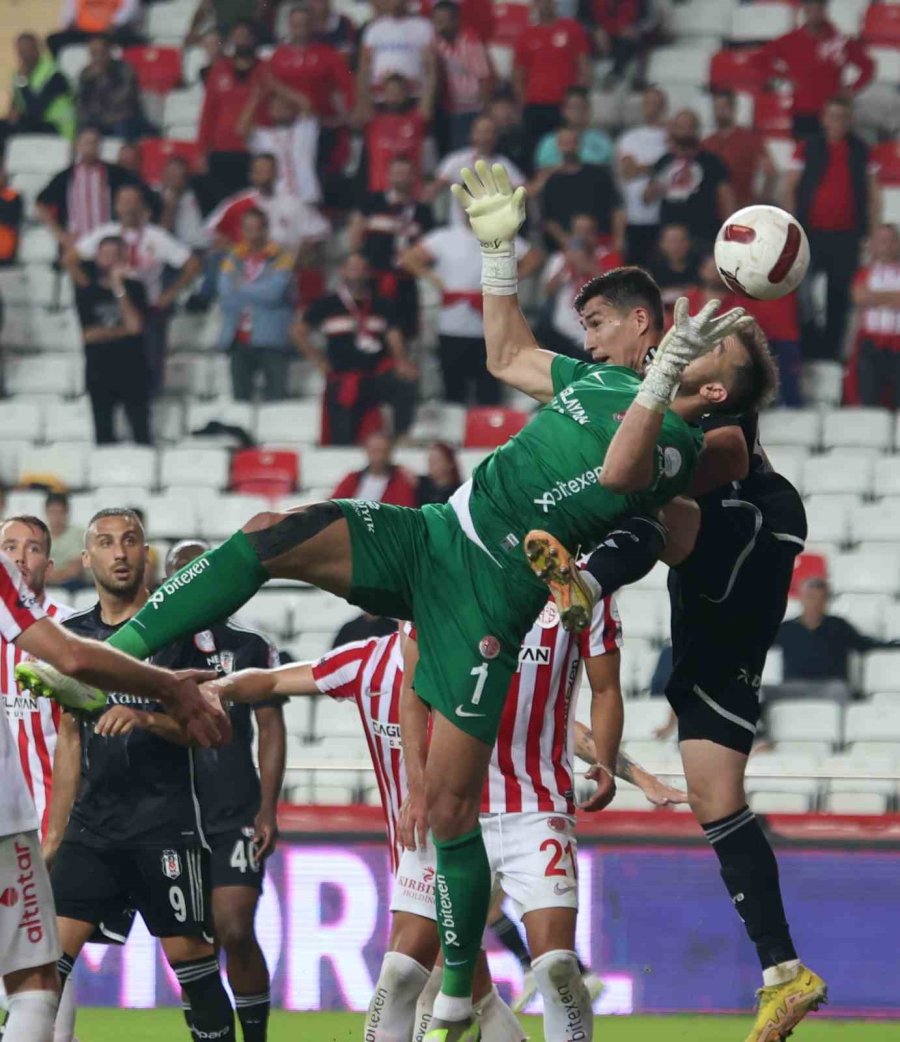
x=116, y=240
x=32, y=522
x=624, y=288
x=723, y=92
x=756, y=382
x=269, y=156
x=56, y=499
x=445, y=5
x=127, y=512
x=577, y=92
x=254, y=211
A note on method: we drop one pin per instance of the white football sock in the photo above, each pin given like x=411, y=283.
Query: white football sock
x=64, y=1029
x=568, y=1016
x=498, y=1022
x=425, y=1005
x=392, y=1011
x=31, y=1016
x=781, y=973
x=450, y=1007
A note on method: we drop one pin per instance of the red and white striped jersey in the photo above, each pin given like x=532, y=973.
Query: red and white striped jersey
x=371, y=673
x=34, y=721
x=531, y=766
x=18, y=610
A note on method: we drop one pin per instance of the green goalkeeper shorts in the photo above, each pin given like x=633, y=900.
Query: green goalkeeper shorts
x=470, y=615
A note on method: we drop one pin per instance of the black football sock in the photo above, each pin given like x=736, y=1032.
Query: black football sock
x=253, y=1013
x=211, y=1010
x=750, y=872
x=64, y=966
x=628, y=553
x=186, y=1010
x=508, y=935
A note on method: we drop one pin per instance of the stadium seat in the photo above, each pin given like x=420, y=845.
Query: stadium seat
x=881, y=671
x=158, y=69
x=439, y=421
x=82, y=507
x=853, y=801
x=686, y=64
x=778, y=802
x=182, y=110
x=892, y=618
x=736, y=69
x=25, y=501
x=194, y=467
x=753, y=23
x=488, y=427
x=840, y=472
x=773, y=668
x=129, y=496
x=886, y=156
x=293, y=422
x=860, y=428
x=265, y=472
x=194, y=60
x=763, y=765
x=822, y=383
x=866, y=571
x=231, y=513
x=847, y=15
x=876, y=522
x=168, y=22
x=37, y=154
x=62, y=463
x=271, y=612
x=72, y=60
x=309, y=646
x=805, y=720
x=789, y=462
x=34, y=286
x=872, y=724
x=791, y=427
x=881, y=24
x=772, y=113
x=122, y=465
x=29, y=186
x=887, y=65
x=869, y=612
x=37, y=247
x=639, y=657
x=644, y=717
x=56, y=331
x=828, y=517
x=170, y=516
x=890, y=199
x=645, y=613
x=316, y=612
x=325, y=467
x=337, y=718
x=156, y=152
x=703, y=18
x=21, y=420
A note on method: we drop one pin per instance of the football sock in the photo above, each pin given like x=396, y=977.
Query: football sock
x=498, y=1022
x=568, y=1016
x=508, y=935
x=391, y=1016
x=627, y=554
x=64, y=966
x=210, y=588
x=211, y=1010
x=64, y=1029
x=31, y=1016
x=463, y=890
x=253, y=1013
x=750, y=873
x=425, y=1005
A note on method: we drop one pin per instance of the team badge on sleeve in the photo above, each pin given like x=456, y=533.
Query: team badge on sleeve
x=171, y=864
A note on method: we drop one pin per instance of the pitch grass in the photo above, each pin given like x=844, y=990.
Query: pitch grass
x=161, y=1025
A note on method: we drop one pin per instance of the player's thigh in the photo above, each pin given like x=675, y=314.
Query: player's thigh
x=454, y=775
x=234, y=914
x=28, y=932
x=169, y=886
x=715, y=778
x=233, y=862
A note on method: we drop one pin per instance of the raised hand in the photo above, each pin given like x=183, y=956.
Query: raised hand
x=496, y=212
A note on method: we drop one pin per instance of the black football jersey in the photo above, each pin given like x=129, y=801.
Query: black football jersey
x=226, y=779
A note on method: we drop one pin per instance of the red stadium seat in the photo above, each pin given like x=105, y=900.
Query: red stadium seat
x=265, y=472
x=737, y=70
x=887, y=157
x=772, y=113
x=157, y=151
x=881, y=25
x=807, y=566
x=158, y=69
x=509, y=21
x=487, y=427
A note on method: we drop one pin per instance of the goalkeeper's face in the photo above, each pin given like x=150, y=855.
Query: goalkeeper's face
x=615, y=335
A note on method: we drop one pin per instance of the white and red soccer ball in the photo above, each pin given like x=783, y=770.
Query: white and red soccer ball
x=762, y=252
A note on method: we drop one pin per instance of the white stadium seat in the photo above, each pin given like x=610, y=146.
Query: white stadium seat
x=171, y=516
x=849, y=428
x=828, y=517
x=56, y=331
x=866, y=571
x=135, y=497
x=887, y=70
x=82, y=507
x=853, y=801
x=69, y=463
x=297, y=720
x=37, y=247
x=37, y=154
x=881, y=670
x=778, y=802
x=805, y=720
x=189, y=374
x=168, y=22
x=892, y=619
x=60, y=375
x=887, y=476
x=182, y=110
x=289, y=422
x=26, y=501
x=122, y=465
x=336, y=718
x=21, y=420
x=71, y=61
x=231, y=513
x=789, y=462
x=701, y=18
x=687, y=64
x=778, y=763
x=440, y=421
x=761, y=21
x=11, y=453
x=221, y=410
x=794, y=427
x=270, y=611
x=639, y=659
x=876, y=522
x=326, y=467
x=822, y=383
x=838, y=472
x=319, y=612
x=847, y=15
x=643, y=717
x=870, y=723
x=207, y=468
x=645, y=613
x=309, y=646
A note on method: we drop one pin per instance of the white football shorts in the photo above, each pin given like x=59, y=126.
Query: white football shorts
x=28, y=935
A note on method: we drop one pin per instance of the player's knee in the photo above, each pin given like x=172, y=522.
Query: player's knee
x=263, y=520
x=559, y=979
x=402, y=975
x=451, y=814
x=237, y=938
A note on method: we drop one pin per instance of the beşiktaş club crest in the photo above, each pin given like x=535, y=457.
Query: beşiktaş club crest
x=171, y=864
x=204, y=642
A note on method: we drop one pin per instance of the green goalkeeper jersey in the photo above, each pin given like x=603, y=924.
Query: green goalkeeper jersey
x=547, y=476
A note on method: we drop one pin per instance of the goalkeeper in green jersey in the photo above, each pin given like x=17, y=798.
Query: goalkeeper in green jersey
x=604, y=445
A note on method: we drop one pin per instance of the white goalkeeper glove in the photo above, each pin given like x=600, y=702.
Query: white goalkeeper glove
x=496, y=213
x=689, y=338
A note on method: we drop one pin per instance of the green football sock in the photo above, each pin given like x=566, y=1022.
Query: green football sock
x=205, y=591
x=463, y=893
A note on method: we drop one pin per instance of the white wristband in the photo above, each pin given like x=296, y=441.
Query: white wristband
x=657, y=389
x=499, y=271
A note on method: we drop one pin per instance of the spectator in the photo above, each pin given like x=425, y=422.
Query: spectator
x=690, y=183
x=385, y=226
x=398, y=128
x=466, y=75
x=576, y=187
x=833, y=191
x=10, y=221
x=876, y=292
x=816, y=646
x=443, y=477
x=109, y=96
x=511, y=138
x=211, y=44
x=111, y=308
x=129, y=157
x=293, y=224
x=365, y=361
x=552, y=55
x=622, y=30
x=364, y=627
x=483, y=145
x=80, y=198
x=83, y=19
x=743, y=151
x=255, y=287
x=149, y=251
x=448, y=258
x=67, y=542
x=814, y=58
x=293, y=138
x=396, y=43
x=637, y=151
x=40, y=97
x=334, y=29
x=593, y=145
x=223, y=16
x=585, y=256
x=381, y=480
x=182, y=214
x=232, y=83
x=676, y=265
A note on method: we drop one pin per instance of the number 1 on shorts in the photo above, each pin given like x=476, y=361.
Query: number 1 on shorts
x=482, y=673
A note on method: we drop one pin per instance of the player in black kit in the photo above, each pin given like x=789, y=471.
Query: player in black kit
x=237, y=803
x=131, y=835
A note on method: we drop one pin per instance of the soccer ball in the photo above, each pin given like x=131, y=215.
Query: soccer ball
x=762, y=252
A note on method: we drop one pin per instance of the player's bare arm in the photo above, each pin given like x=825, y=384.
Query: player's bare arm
x=681, y=517
x=414, y=740
x=66, y=780
x=496, y=213
x=607, y=718
x=724, y=459
x=259, y=685
x=654, y=788
x=122, y=720
x=271, y=751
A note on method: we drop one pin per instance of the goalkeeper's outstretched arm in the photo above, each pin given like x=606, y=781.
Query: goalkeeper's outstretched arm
x=496, y=213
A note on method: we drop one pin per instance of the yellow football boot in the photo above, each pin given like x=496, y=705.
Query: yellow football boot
x=783, y=1006
x=553, y=564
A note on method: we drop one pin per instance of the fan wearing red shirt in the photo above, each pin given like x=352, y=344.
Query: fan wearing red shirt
x=814, y=58
x=381, y=480
x=744, y=152
x=398, y=128
x=876, y=292
x=552, y=55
